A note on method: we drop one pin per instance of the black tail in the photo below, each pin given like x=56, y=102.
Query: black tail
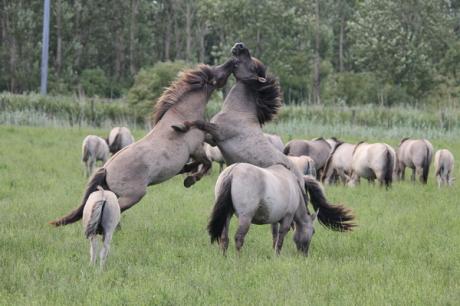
x=223, y=208
x=98, y=179
x=115, y=146
x=335, y=217
x=426, y=166
x=389, y=166
x=329, y=159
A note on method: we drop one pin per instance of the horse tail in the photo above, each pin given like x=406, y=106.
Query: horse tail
x=388, y=171
x=98, y=179
x=95, y=219
x=426, y=165
x=223, y=208
x=85, y=153
x=115, y=146
x=329, y=160
x=335, y=217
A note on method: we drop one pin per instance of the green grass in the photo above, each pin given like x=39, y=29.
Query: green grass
x=406, y=249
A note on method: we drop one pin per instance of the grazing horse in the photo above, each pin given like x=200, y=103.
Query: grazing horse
x=276, y=141
x=93, y=148
x=417, y=155
x=162, y=153
x=339, y=163
x=318, y=149
x=101, y=215
x=119, y=137
x=214, y=155
x=264, y=196
x=305, y=164
x=373, y=161
x=236, y=129
x=444, y=165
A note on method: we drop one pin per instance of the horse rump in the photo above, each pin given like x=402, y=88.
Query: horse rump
x=94, y=224
x=336, y=217
x=98, y=179
x=223, y=208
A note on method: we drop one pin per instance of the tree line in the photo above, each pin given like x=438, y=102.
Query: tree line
x=331, y=51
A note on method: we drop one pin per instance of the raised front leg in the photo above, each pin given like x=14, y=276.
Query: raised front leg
x=200, y=157
x=210, y=128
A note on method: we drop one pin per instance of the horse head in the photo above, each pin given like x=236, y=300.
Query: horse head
x=247, y=68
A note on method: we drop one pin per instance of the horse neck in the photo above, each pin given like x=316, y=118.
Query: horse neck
x=192, y=107
x=242, y=100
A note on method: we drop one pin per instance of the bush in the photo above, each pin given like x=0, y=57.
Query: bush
x=150, y=83
x=95, y=83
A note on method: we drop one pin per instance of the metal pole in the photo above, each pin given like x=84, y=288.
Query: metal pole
x=45, y=47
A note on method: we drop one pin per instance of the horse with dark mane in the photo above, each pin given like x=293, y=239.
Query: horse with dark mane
x=237, y=130
x=162, y=153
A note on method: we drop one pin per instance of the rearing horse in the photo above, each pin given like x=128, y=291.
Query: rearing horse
x=236, y=129
x=162, y=153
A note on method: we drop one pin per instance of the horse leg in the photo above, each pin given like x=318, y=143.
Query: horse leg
x=243, y=227
x=274, y=234
x=93, y=249
x=414, y=173
x=221, y=167
x=200, y=156
x=105, y=249
x=224, y=236
x=129, y=200
x=285, y=224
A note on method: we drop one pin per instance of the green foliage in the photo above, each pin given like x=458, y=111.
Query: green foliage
x=94, y=82
x=150, y=83
x=405, y=250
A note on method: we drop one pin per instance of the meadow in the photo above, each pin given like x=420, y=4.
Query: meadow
x=405, y=251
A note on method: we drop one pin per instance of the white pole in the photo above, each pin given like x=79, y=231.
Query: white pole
x=45, y=47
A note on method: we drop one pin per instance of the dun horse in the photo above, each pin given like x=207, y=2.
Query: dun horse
x=119, y=137
x=263, y=196
x=94, y=148
x=275, y=141
x=318, y=149
x=339, y=163
x=417, y=155
x=373, y=161
x=101, y=215
x=305, y=164
x=444, y=165
x=236, y=129
x=162, y=153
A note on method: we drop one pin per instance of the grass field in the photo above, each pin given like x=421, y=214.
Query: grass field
x=405, y=251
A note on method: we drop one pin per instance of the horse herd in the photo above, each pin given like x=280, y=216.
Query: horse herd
x=264, y=183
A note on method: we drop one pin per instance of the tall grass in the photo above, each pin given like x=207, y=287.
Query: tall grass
x=294, y=120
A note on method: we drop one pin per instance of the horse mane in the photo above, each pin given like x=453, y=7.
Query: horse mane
x=268, y=94
x=319, y=139
x=329, y=160
x=188, y=81
x=404, y=139
x=359, y=143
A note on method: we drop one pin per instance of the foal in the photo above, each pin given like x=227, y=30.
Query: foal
x=101, y=215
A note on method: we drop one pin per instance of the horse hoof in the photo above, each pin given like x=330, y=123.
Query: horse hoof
x=181, y=128
x=189, y=181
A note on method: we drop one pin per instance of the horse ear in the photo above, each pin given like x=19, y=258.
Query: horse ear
x=261, y=79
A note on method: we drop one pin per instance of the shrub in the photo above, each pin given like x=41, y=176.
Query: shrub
x=94, y=82
x=150, y=83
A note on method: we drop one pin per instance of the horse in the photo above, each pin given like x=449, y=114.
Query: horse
x=214, y=155
x=263, y=196
x=119, y=137
x=305, y=164
x=373, y=161
x=339, y=163
x=162, y=153
x=94, y=149
x=101, y=215
x=237, y=129
x=417, y=155
x=318, y=149
x=275, y=141
x=444, y=167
